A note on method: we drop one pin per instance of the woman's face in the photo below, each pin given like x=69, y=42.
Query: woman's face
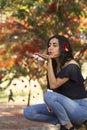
x=53, y=48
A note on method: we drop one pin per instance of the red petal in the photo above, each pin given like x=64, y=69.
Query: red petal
x=15, y=84
x=22, y=80
x=25, y=64
x=25, y=86
x=37, y=51
x=31, y=57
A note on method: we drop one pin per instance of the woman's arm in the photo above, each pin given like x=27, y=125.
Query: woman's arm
x=53, y=81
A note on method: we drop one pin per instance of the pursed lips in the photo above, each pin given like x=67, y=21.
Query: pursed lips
x=50, y=53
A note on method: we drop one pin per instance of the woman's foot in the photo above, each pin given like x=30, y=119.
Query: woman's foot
x=63, y=128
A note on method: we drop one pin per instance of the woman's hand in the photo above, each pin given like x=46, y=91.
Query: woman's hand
x=49, y=110
x=44, y=56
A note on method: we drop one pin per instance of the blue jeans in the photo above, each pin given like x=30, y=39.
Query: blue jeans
x=64, y=110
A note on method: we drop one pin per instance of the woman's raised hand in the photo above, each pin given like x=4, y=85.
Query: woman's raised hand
x=44, y=56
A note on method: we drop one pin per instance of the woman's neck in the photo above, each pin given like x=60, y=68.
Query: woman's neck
x=57, y=60
x=58, y=65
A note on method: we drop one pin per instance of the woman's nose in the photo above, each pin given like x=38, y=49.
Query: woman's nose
x=51, y=47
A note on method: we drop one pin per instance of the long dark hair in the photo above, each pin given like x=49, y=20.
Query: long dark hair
x=65, y=51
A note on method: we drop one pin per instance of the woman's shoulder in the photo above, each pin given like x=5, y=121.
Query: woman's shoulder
x=71, y=63
x=70, y=70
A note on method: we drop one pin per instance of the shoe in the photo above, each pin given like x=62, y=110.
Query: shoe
x=63, y=128
x=73, y=128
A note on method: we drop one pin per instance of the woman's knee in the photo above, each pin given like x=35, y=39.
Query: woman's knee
x=28, y=113
x=51, y=96
x=46, y=96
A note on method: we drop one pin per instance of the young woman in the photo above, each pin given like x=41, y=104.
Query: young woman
x=67, y=104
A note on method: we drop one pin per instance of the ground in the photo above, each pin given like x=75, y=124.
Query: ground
x=11, y=118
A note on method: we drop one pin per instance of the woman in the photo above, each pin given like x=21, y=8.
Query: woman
x=67, y=104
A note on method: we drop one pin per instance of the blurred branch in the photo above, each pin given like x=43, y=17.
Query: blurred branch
x=78, y=55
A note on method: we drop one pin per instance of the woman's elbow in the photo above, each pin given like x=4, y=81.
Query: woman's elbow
x=53, y=86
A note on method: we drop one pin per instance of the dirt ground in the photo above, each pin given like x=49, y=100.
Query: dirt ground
x=11, y=118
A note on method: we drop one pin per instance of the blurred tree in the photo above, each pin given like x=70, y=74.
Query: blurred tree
x=26, y=25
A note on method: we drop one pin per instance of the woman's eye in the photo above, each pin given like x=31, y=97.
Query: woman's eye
x=49, y=45
x=55, y=45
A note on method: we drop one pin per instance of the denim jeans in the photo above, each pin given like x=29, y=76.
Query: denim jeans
x=64, y=110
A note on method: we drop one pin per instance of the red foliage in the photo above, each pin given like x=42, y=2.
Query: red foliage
x=14, y=26
x=2, y=64
x=1, y=76
x=52, y=7
x=2, y=52
x=31, y=57
x=35, y=69
x=37, y=51
x=25, y=64
x=85, y=53
x=2, y=38
x=9, y=62
x=32, y=47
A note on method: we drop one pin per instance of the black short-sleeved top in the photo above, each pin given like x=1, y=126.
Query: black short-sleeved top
x=74, y=87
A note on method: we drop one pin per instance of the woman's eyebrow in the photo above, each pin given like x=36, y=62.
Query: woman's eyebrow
x=53, y=43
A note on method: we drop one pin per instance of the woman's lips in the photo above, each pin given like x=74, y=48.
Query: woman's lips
x=50, y=53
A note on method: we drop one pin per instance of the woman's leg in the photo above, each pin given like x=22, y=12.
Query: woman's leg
x=40, y=113
x=65, y=109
